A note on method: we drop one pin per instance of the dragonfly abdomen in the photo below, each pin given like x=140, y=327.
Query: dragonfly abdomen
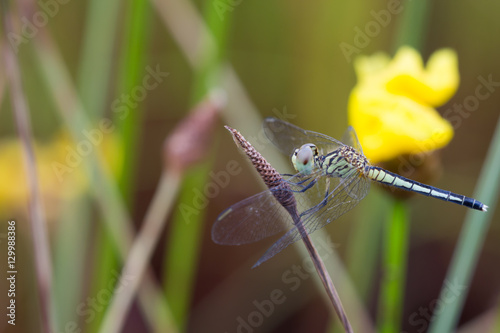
x=392, y=179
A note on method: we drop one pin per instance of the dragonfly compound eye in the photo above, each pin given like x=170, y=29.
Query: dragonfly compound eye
x=303, y=158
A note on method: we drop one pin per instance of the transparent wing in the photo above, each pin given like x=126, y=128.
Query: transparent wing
x=342, y=199
x=251, y=220
x=288, y=137
x=333, y=197
x=350, y=138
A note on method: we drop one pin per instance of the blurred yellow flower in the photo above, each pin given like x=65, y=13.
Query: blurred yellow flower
x=392, y=105
x=58, y=179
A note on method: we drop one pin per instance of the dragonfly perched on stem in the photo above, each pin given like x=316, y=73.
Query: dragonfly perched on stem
x=285, y=198
x=332, y=177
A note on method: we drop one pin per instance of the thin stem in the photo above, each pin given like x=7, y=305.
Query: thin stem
x=142, y=250
x=470, y=242
x=43, y=263
x=96, y=63
x=325, y=278
x=93, y=75
x=394, y=270
x=185, y=237
x=413, y=25
x=104, y=190
x=132, y=65
x=187, y=229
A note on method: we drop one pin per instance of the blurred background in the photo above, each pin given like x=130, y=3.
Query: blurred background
x=107, y=82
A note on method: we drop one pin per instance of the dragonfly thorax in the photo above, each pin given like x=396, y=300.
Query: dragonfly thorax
x=343, y=161
x=304, y=159
x=354, y=158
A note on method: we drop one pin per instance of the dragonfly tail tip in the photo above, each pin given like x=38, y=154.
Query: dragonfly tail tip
x=485, y=208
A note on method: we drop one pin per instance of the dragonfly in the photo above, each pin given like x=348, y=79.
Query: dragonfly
x=332, y=178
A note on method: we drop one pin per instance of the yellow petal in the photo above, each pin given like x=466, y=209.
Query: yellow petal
x=442, y=76
x=389, y=125
x=434, y=85
x=368, y=67
x=392, y=106
x=58, y=178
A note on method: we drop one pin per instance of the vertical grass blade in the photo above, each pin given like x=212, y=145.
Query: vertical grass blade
x=412, y=29
x=471, y=240
x=140, y=252
x=97, y=55
x=182, y=251
x=38, y=224
x=393, y=269
x=93, y=79
x=185, y=241
x=131, y=70
x=104, y=190
x=413, y=25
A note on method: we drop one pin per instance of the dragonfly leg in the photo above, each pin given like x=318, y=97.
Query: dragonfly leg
x=306, y=187
x=322, y=203
x=299, y=183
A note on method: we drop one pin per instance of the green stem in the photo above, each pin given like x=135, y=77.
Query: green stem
x=413, y=25
x=182, y=248
x=394, y=269
x=103, y=189
x=94, y=71
x=412, y=31
x=470, y=242
x=140, y=252
x=93, y=78
x=132, y=71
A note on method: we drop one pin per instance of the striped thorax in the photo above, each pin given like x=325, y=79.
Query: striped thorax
x=343, y=162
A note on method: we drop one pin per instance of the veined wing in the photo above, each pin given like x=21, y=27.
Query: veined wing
x=288, y=137
x=350, y=138
x=344, y=197
x=339, y=195
x=251, y=220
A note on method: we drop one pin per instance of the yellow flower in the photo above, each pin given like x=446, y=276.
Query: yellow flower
x=59, y=179
x=392, y=108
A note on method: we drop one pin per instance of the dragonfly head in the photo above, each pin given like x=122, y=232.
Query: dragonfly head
x=304, y=158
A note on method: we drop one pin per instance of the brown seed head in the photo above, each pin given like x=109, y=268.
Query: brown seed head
x=269, y=175
x=190, y=141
